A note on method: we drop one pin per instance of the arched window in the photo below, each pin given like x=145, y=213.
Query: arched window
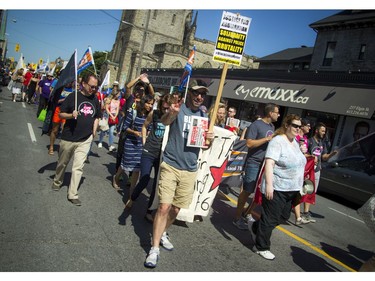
x=207, y=64
x=173, y=19
x=177, y=64
x=155, y=14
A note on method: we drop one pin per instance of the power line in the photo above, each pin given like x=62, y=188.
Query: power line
x=110, y=15
x=66, y=24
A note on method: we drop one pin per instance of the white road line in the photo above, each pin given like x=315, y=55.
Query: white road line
x=347, y=215
x=31, y=131
x=23, y=105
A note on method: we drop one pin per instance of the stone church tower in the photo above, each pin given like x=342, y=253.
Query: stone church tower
x=158, y=39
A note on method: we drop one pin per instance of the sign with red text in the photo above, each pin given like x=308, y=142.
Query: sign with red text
x=230, y=43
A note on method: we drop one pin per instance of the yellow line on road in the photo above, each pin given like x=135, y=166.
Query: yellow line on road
x=299, y=239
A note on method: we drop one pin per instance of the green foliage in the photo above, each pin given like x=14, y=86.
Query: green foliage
x=99, y=59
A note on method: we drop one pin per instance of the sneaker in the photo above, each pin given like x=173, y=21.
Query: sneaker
x=164, y=241
x=76, y=202
x=301, y=220
x=307, y=217
x=100, y=145
x=250, y=220
x=266, y=254
x=112, y=148
x=152, y=258
x=55, y=188
x=241, y=224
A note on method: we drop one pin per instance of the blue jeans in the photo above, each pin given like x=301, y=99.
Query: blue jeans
x=110, y=132
x=147, y=162
x=251, y=176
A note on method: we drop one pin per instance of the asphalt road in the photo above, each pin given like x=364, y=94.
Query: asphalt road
x=41, y=231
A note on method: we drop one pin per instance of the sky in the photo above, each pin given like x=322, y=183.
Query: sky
x=49, y=34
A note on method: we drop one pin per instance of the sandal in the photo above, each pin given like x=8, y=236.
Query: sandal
x=50, y=152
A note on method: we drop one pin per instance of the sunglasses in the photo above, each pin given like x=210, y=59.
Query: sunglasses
x=296, y=126
x=93, y=87
x=197, y=93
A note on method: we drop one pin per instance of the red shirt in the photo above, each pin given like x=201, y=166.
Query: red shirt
x=27, y=79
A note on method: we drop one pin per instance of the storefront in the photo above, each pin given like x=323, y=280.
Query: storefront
x=338, y=100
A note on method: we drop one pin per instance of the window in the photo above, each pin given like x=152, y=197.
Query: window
x=173, y=19
x=330, y=52
x=362, y=51
x=155, y=14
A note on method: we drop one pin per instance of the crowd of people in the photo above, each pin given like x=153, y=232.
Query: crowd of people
x=138, y=116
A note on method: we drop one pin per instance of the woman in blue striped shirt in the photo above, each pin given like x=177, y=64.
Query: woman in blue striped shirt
x=131, y=157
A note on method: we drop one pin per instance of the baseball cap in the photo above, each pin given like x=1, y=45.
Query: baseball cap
x=197, y=84
x=115, y=83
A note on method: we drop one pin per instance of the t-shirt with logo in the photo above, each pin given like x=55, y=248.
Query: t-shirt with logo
x=80, y=129
x=45, y=85
x=258, y=130
x=176, y=153
x=317, y=148
x=154, y=140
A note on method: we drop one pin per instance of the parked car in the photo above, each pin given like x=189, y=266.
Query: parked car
x=349, y=179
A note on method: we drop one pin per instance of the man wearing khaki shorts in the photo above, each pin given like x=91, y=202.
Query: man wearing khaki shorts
x=178, y=168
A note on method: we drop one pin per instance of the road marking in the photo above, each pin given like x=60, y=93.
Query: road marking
x=299, y=239
x=31, y=131
x=320, y=251
x=23, y=105
x=346, y=215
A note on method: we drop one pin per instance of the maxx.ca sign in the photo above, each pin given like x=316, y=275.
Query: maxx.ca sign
x=279, y=94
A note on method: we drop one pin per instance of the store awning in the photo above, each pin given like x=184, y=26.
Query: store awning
x=358, y=102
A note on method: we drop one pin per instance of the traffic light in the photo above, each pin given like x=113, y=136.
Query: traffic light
x=17, y=48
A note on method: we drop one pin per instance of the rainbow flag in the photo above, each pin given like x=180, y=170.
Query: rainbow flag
x=86, y=61
x=187, y=70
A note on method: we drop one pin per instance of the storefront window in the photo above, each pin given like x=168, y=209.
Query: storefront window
x=330, y=120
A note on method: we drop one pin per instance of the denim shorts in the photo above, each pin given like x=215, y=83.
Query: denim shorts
x=251, y=176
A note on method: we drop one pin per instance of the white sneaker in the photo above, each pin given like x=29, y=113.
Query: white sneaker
x=266, y=254
x=250, y=220
x=164, y=241
x=111, y=148
x=100, y=145
x=152, y=258
x=301, y=220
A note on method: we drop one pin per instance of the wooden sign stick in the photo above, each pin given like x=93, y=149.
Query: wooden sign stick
x=218, y=97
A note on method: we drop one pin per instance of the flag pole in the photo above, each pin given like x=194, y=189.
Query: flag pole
x=76, y=80
x=186, y=88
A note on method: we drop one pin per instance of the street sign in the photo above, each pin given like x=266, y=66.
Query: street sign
x=230, y=43
x=17, y=48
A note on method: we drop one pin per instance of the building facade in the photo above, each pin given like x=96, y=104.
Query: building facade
x=332, y=95
x=159, y=39
x=345, y=42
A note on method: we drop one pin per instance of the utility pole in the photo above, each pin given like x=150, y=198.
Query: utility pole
x=143, y=43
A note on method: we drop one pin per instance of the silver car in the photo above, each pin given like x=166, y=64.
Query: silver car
x=348, y=178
